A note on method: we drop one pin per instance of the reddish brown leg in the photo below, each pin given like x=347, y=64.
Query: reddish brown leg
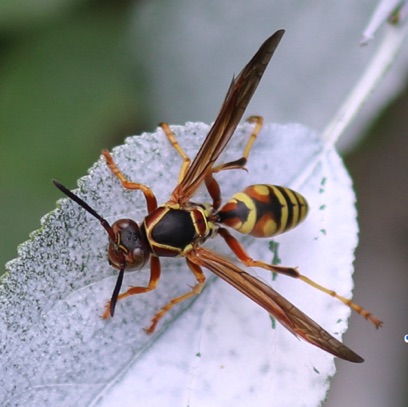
x=154, y=280
x=243, y=256
x=210, y=182
x=147, y=192
x=214, y=190
x=240, y=163
x=172, y=138
x=195, y=290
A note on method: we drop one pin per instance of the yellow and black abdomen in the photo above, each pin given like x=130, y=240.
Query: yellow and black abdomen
x=264, y=210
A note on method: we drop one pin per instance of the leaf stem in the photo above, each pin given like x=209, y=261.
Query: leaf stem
x=376, y=70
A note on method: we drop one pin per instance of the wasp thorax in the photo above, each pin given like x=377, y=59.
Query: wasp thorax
x=128, y=244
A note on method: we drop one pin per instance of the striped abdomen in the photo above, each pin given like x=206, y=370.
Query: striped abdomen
x=264, y=210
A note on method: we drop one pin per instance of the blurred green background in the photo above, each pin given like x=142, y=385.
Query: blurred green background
x=68, y=88
x=70, y=85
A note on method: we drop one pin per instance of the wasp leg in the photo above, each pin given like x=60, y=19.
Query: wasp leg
x=195, y=290
x=147, y=192
x=243, y=256
x=172, y=138
x=241, y=162
x=258, y=120
x=154, y=280
x=211, y=184
x=214, y=190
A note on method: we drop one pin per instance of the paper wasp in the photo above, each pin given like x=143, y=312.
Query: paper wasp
x=180, y=227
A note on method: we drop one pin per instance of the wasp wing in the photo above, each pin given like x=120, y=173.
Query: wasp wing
x=275, y=304
x=238, y=96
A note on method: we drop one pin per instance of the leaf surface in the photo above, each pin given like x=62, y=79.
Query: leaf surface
x=224, y=350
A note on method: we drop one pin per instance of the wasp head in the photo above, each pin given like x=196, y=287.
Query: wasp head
x=128, y=245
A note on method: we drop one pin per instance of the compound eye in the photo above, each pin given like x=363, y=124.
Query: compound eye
x=129, y=244
x=138, y=257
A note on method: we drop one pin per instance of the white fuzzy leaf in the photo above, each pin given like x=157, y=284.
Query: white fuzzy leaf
x=224, y=350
